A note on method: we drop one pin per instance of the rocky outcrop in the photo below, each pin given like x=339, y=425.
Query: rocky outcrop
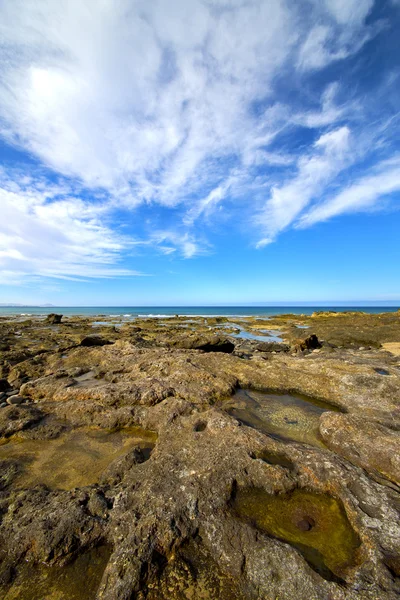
x=53, y=319
x=212, y=508
x=207, y=344
x=310, y=342
x=369, y=445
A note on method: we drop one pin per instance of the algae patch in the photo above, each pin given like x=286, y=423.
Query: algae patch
x=74, y=459
x=76, y=581
x=284, y=416
x=315, y=524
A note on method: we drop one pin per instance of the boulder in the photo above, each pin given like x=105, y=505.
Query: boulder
x=15, y=400
x=311, y=342
x=53, y=319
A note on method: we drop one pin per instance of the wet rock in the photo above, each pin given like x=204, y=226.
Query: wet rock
x=53, y=319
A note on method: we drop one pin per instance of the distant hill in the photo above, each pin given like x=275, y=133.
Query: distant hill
x=25, y=305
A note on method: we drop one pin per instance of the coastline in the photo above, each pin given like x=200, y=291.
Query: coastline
x=201, y=311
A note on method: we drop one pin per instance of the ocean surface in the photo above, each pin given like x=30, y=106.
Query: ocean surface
x=170, y=311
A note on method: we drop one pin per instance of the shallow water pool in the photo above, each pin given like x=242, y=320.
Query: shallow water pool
x=284, y=416
x=74, y=459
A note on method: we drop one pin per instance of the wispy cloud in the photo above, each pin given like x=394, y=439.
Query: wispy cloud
x=187, y=244
x=45, y=231
x=330, y=154
x=363, y=194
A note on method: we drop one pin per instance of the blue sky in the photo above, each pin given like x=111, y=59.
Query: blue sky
x=199, y=151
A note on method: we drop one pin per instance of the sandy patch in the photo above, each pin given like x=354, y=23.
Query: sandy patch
x=393, y=347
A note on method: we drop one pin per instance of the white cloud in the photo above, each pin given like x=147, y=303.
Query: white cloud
x=187, y=244
x=345, y=11
x=330, y=154
x=51, y=234
x=333, y=40
x=140, y=98
x=366, y=193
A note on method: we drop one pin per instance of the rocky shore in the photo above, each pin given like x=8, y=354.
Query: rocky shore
x=200, y=458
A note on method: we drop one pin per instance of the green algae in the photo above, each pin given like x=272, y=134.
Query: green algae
x=315, y=524
x=78, y=580
x=75, y=458
x=283, y=416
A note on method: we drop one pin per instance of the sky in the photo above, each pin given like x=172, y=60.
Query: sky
x=199, y=152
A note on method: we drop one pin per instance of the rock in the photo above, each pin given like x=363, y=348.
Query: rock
x=3, y=404
x=371, y=446
x=117, y=470
x=94, y=340
x=12, y=393
x=4, y=385
x=207, y=344
x=170, y=512
x=15, y=400
x=272, y=347
x=9, y=469
x=53, y=319
x=97, y=505
x=311, y=342
x=14, y=418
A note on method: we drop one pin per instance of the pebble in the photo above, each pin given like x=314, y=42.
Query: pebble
x=3, y=396
x=12, y=393
x=3, y=404
x=15, y=400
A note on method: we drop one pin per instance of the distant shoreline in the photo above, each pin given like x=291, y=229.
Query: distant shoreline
x=195, y=311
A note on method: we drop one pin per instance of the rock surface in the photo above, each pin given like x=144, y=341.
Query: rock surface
x=212, y=508
x=53, y=319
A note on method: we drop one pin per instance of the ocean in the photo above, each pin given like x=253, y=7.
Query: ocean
x=170, y=311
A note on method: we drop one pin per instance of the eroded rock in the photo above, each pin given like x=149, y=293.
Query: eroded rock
x=168, y=510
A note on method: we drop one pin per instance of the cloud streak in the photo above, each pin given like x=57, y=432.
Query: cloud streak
x=359, y=196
